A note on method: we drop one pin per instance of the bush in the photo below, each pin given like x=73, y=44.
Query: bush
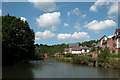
x=115, y=55
x=70, y=55
x=39, y=57
x=104, y=54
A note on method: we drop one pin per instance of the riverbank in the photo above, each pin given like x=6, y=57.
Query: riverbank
x=90, y=61
x=50, y=68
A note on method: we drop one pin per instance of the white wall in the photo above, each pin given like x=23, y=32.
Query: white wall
x=117, y=43
x=88, y=50
x=83, y=50
x=76, y=52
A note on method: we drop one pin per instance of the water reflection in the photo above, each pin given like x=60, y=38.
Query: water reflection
x=53, y=69
x=107, y=72
x=18, y=71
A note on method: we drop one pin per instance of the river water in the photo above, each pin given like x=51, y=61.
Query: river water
x=53, y=69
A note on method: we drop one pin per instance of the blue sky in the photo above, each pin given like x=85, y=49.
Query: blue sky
x=66, y=22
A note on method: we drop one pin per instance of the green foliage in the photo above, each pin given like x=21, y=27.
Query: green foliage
x=84, y=60
x=115, y=55
x=70, y=55
x=45, y=49
x=88, y=43
x=103, y=58
x=17, y=40
x=93, y=49
x=59, y=48
x=104, y=54
x=39, y=57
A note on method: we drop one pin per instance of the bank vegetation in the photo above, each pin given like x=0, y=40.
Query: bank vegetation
x=104, y=59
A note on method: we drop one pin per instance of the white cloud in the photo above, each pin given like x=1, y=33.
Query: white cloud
x=44, y=35
x=113, y=8
x=97, y=4
x=53, y=28
x=0, y=12
x=77, y=26
x=37, y=39
x=76, y=36
x=110, y=36
x=64, y=36
x=74, y=11
x=45, y=5
x=66, y=25
x=23, y=18
x=49, y=19
x=100, y=25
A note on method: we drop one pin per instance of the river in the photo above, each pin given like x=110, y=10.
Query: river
x=53, y=69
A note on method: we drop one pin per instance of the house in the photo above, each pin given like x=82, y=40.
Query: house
x=68, y=50
x=103, y=42
x=113, y=43
x=74, y=48
x=117, y=40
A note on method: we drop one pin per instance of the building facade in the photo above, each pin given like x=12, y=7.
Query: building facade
x=76, y=49
x=113, y=43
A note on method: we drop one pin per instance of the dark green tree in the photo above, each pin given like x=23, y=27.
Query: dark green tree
x=17, y=40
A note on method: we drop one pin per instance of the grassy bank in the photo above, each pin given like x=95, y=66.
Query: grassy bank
x=103, y=60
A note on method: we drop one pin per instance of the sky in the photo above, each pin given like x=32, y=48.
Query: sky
x=66, y=22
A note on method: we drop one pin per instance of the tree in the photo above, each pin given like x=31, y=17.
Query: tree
x=17, y=40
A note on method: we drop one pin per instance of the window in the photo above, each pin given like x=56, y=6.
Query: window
x=118, y=39
x=119, y=33
x=85, y=50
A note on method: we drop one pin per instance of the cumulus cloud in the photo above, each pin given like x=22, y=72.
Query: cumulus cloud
x=76, y=36
x=49, y=20
x=113, y=9
x=45, y=5
x=74, y=11
x=66, y=25
x=0, y=12
x=100, y=25
x=37, y=38
x=23, y=18
x=97, y=4
x=44, y=35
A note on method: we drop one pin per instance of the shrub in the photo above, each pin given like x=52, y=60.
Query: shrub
x=70, y=55
x=104, y=54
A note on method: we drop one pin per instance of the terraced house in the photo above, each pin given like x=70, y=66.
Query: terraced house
x=113, y=43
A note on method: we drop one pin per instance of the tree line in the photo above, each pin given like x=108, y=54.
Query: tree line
x=59, y=48
x=18, y=42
